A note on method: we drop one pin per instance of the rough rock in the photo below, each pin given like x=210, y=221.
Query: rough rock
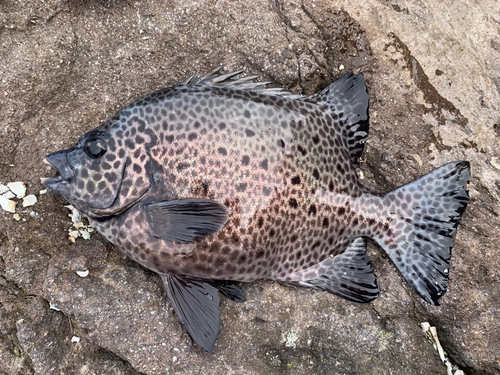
x=433, y=71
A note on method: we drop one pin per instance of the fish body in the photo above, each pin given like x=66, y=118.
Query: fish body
x=219, y=178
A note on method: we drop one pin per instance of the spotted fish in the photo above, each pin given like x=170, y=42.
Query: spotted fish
x=219, y=178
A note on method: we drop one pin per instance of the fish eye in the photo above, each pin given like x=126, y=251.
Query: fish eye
x=95, y=148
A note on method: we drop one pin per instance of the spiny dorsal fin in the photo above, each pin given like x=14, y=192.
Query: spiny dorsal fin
x=213, y=78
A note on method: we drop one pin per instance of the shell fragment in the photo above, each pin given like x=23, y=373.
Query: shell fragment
x=17, y=188
x=29, y=200
x=7, y=204
x=82, y=273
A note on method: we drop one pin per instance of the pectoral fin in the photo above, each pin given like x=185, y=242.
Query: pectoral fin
x=186, y=220
x=198, y=306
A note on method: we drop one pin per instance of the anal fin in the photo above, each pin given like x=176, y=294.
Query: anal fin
x=348, y=275
x=198, y=306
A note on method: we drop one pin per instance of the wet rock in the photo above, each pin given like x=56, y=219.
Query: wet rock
x=433, y=81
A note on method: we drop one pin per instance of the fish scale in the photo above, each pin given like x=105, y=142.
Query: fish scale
x=219, y=178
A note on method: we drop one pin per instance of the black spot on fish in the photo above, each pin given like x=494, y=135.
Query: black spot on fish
x=315, y=139
x=192, y=136
x=296, y=180
x=293, y=203
x=84, y=173
x=249, y=133
x=330, y=185
x=281, y=143
x=316, y=174
x=222, y=125
x=139, y=140
x=266, y=191
x=222, y=151
x=106, y=166
x=110, y=157
x=245, y=160
x=169, y=138
x=182, y=166
x=110, y=177
x=241, y=187
x=101, y=185
x=90, y=187
x=312, y=210
x=260, y=222
x=246, y=114
x=121, y=153
x=130, y=144
x=137, y=168
x=142, y=125
x=264, y=164
x=326, y=222
x=302, y=150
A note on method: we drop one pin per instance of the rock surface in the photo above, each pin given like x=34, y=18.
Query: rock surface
x=433, y=71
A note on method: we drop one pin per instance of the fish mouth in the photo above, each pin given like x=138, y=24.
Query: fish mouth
x=59, y=160
x=50, y=182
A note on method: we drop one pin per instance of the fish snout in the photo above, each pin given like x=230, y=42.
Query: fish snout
x=58, y=160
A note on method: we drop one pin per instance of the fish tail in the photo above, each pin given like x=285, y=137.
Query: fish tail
x=421, y=225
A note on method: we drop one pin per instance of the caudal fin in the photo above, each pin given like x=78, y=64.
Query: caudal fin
x=424, y=218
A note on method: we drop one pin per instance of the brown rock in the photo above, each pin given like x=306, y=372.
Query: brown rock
x=66, y=66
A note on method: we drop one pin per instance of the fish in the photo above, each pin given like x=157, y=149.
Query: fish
x=220, y=179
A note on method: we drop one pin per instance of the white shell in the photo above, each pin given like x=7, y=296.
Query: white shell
x=82, y=273
x=29, y=200
x=9, y=195
x=17, y=188
x=7, y=204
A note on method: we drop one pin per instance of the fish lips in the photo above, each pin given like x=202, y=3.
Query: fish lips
x=57, y=184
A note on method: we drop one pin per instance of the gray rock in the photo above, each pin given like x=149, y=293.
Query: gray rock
x=433, y=71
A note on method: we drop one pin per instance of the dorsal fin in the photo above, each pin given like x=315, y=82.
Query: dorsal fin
x=348, y=102
x=232, y=79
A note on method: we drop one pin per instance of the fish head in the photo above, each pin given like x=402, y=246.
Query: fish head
x=104, y=172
